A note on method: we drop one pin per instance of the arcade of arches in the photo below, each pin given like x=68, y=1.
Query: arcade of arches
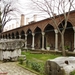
x=41, y=34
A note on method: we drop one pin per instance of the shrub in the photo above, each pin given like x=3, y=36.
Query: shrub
x=72, y=73
x=20, y=60
x=35, y=66
x=67, y=47
x=27, y=63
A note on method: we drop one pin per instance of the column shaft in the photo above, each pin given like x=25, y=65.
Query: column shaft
x=74, y=38
x=25, y=41
x=19, y=36
x=33, y=41
x=56, y=40
x=43, y=40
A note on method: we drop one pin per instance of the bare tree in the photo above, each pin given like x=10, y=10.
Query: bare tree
x=8, y=9
x=56, y=6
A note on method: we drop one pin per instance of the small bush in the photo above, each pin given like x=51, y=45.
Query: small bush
x=35, y=66
x=20, y=60
x=27, y=63
x=72, y=73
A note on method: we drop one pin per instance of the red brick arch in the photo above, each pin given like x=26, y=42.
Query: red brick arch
x=67, y=21
x=36, y=28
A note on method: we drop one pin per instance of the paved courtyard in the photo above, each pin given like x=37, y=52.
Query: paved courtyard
x=13, y=69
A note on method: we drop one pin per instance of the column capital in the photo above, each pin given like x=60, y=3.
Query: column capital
x=19, y=36
x=43, y=33
x=25, y=35
x=15, y=37
x=11, y=37
x=33, y=34
x=74, y=28
x=56, y=31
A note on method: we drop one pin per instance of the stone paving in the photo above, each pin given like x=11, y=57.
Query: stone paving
x=11, y=68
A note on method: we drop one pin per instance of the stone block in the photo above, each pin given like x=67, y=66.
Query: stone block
x=60, y=66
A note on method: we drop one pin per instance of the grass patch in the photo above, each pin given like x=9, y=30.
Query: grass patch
x=72, y=73
x=37, y=61
x=42, y=57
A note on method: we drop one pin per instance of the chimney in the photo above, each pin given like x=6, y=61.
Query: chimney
x=12, y=26
x=54, y=14
x=35, y=18
x=9, y=27
x=22, y=20
x=17, y=24
x=27, y=20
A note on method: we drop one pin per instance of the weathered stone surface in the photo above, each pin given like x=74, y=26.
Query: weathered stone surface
x=11, y=44
x=60, y=66
x=10, y=49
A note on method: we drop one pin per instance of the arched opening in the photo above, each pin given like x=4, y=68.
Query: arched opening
x=37, y=32
x=29, y=38
x=13, y=36
x=17, y=35
x=6, y=36
x=68, y=36
x=22, y=34
x=3, y=36
x=9, y=36
x=50, y=36
x=0, y=36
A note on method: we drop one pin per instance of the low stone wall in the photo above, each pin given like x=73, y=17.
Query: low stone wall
x=69, y=53
x=45, y=51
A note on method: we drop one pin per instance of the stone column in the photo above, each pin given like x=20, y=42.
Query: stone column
x=74, y=38
x=33, y=41
x=25, y=41
x=15, y=37
x=7, y=37
x=19, y=36
x=1, y=37
x=43, y=40
x=56, y=40
x=10, y=37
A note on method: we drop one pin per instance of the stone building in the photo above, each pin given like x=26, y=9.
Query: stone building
x=39, y=34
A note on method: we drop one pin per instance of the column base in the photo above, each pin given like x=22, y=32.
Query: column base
x=74, y=50
x=25, y=47
x=56, y=49
x=42, y=49
x=33, y=48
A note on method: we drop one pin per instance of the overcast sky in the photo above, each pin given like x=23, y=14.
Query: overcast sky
x=24, y=6
x=27, y=10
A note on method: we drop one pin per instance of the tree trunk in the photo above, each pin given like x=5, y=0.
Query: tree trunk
x=62, y=44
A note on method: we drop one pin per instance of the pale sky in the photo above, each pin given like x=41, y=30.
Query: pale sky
x=23, y=6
